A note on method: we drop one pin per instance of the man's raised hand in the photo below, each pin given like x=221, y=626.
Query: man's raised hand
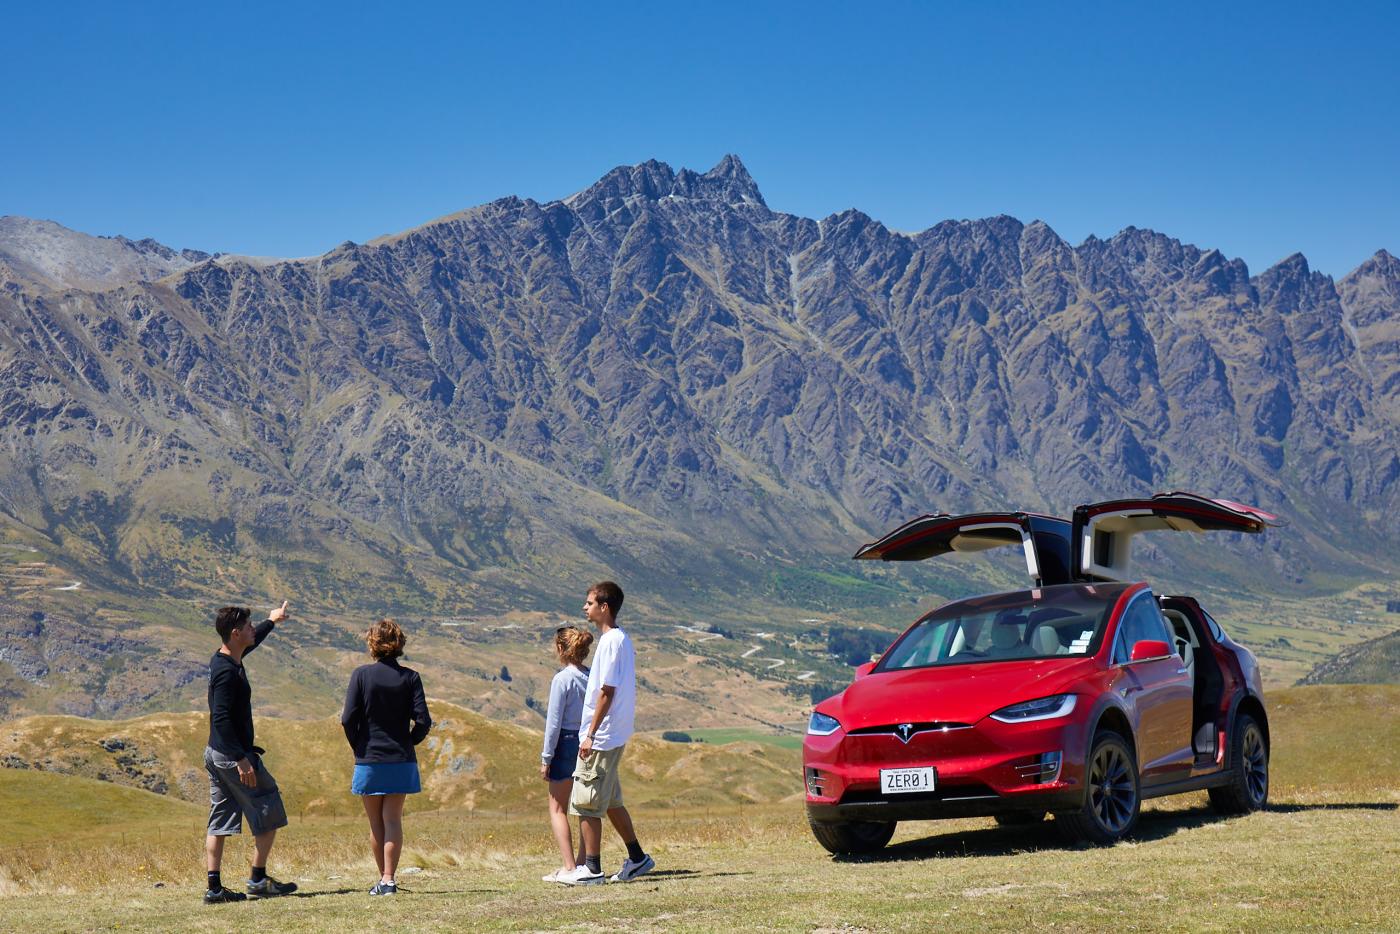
x=279, y=614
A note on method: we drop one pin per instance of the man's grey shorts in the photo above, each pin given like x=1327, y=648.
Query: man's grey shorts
x=230, y=800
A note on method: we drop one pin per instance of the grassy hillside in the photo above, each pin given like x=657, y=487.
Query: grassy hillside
x=45, y=806
x=1337, y=739
x=731, y=661
x=1321, y=857
x=1375, y=661
x=469, y=762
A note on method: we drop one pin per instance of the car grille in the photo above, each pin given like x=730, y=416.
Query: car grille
x=968, y=792
x=913, y=729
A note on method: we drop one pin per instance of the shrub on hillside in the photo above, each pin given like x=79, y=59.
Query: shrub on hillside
x=856, y=646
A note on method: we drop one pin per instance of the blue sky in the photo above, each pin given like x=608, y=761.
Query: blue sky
x=284, y=129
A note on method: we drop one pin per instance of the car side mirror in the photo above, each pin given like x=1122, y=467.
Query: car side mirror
x=1150, y=648
x=864, y=668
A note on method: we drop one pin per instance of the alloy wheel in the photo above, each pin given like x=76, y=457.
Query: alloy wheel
x=1111, y=793
x=1256, y=765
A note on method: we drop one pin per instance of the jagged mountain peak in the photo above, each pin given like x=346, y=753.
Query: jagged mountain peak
x=851, y=220
x=729, y=182
x=1294, y=264
x=999, y=227
x=1382, y=264
x=1372, y=293
x=1291, y=272
x=1040, y=237
x=1142, y=247
x=1149, y=241
x=732, y=178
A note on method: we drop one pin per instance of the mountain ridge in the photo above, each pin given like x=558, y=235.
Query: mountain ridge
x=662, y=379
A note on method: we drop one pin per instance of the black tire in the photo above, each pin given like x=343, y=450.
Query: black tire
x=1020, y=818
x=853, y=838
x=1248, y=789
x=1112, y=794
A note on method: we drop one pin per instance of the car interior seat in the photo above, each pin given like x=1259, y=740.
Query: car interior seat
x=959, y=641
x=1181, y=633
x=1045, y=640
x=1006, y=633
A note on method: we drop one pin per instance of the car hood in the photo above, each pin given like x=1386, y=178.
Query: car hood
x=952, y=693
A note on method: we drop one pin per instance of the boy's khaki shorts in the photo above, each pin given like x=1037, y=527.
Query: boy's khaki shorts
x=596, y=784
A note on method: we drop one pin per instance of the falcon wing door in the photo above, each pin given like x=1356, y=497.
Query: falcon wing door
x=1103, y=532
x=1044, y=540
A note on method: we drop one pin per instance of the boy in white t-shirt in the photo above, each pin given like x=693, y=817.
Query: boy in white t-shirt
x=609, y=706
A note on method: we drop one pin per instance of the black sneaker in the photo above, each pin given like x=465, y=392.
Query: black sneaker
x=217, y=896
x=270, y=888
x=385, y=888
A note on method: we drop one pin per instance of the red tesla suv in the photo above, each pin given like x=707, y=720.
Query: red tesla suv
x=1078, y=697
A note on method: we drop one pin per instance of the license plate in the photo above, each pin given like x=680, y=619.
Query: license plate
x=904, y=781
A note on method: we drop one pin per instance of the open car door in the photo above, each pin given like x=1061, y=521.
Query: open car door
x=1103, y=532
x=1045, y=540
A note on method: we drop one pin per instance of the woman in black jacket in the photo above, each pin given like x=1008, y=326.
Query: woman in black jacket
x=385, y=716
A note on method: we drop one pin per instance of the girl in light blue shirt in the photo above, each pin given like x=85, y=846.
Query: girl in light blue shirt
x=560, y=752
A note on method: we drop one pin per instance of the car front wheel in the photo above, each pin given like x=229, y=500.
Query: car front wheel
x=1249, y=770
x=1111, y=795
x=853, y=838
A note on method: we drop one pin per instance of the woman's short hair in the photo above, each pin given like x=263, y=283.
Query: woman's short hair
x=386, y=639
x=572, y=644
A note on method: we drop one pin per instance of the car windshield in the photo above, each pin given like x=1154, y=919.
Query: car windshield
x=1041, y=623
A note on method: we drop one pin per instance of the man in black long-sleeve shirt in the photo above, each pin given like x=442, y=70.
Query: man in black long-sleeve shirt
x=239, y=785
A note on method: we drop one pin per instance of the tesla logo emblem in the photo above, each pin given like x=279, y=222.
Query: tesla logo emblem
x=904, y=731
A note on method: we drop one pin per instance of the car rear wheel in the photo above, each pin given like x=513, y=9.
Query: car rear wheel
x=853, y=838
x=1249, y=770
x=1111, y=794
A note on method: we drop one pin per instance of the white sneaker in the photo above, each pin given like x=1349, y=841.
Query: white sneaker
x=553, y=876
x=631, y=870
x=579, y=875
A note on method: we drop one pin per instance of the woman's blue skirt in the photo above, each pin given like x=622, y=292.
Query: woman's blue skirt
x=565, y=756
x=386, y=778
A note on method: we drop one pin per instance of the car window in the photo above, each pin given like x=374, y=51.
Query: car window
x=1215, y=629
x=1141, y=620
x=1041, y=623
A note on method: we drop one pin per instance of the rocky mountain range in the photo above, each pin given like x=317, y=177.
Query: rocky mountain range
x=662, y=379
x=45, y=255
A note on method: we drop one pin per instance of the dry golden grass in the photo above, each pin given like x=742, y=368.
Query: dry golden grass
x=468, y=761
x=1322, y=857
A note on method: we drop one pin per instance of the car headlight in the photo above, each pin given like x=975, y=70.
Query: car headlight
x=1046, y=708
x=822, y=725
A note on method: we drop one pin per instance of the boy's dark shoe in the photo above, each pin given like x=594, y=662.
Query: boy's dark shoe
x=215, y=897
x=270, y=888
x=385, y=888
